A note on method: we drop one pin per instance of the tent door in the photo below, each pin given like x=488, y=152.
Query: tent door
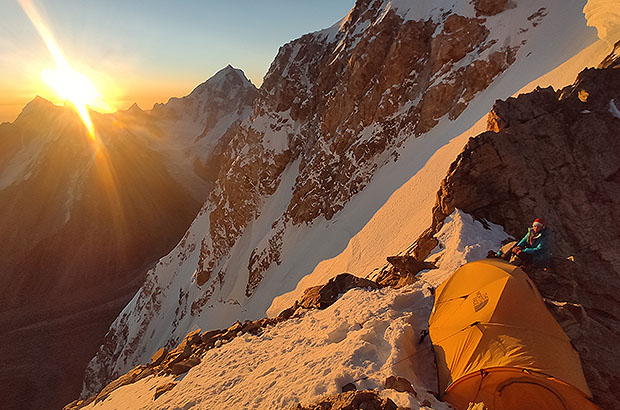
x=527, y=394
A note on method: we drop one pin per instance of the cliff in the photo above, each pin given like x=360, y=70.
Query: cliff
x=556, y=155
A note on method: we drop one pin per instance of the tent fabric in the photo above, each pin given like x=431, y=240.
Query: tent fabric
x=497, y=343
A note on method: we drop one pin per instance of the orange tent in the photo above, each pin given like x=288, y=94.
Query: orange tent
x=496, y=343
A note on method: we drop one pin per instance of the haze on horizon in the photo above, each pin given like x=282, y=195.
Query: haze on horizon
x=147, y=54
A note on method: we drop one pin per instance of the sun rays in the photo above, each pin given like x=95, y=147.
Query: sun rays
x=64, y=80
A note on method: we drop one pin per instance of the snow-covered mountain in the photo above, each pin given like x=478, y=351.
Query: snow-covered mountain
x=366, y=113
x=88, y=218
x=186, y=129
x=370, y=335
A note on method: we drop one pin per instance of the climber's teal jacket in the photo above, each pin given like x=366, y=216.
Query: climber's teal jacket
x=537, y=245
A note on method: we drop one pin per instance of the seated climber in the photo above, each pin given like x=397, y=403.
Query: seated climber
x=534, y=248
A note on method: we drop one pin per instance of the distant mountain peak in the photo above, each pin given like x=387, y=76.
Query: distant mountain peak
x=224, y=78
x=135, y=108
x=38, y=102
x=37, y=105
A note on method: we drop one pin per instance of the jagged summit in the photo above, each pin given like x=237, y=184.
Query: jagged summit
x=228, y=90
x=372, y=12
x=135, y=108
x=36, y=105
x=226, y=77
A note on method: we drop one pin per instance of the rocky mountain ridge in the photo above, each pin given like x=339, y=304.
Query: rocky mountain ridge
x=188, y=353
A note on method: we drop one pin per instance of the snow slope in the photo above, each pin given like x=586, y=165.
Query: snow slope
x=383, y=219
x=407, y=212
x=363, y=338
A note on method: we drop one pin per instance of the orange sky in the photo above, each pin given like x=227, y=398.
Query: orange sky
x=133, y=53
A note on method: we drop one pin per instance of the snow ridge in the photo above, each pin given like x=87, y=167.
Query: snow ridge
x=299, y=360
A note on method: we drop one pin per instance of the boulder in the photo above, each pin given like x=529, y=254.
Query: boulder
x=408, y=265
x=193, y=337
x=321, y=297
x=348, y=387
x=209, y=336
x=252, y=327
x=232, y=331
x=400, y=384
x=184, y=366
x=163, y=389
x=355, y=399
x=159, y=357
x=289, y=312
x=182, y=352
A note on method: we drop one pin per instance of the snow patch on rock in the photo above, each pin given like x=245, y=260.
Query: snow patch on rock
x=614, y=109
x=605, y=16
x=461, y=240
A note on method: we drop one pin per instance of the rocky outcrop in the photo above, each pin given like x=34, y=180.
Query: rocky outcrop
x=491, y=7
x=323, y=296
x=358, y=399
x=400, y=384
x=556, y=155
x=401, y=270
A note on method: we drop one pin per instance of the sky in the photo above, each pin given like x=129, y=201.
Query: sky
x=149, y=51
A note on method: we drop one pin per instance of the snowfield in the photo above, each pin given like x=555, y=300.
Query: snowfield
x=363, y=338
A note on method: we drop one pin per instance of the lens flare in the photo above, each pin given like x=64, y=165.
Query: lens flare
x=66, y=82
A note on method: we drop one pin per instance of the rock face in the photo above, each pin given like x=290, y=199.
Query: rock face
x=335, y=107
x=556, y=155
x=339, y=103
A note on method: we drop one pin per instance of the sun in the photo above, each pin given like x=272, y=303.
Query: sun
x=71, y=85
x=65, y=81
